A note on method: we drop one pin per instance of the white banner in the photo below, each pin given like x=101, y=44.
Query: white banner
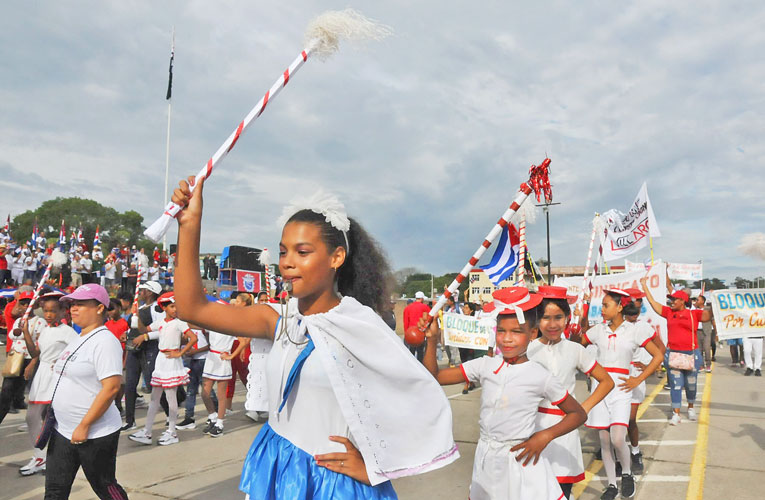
x=739, y=313
x=628, y=233
x=657, y=282
x=677, y=271
x=467, y=331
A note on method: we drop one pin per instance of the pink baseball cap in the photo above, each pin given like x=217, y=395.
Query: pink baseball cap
x=90, y=291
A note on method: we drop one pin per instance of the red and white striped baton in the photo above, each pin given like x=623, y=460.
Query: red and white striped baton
x=40, y=285
x=540, y=184
x=580, y=298
x=137, y=284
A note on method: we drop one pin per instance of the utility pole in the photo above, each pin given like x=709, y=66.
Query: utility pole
x=546, y=209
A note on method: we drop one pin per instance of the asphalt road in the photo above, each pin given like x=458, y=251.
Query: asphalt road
x=720, y=456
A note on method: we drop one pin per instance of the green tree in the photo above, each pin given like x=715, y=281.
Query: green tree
x=711, y=284
x=115, y=228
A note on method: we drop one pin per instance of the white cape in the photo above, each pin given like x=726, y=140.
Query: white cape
x=397, y=413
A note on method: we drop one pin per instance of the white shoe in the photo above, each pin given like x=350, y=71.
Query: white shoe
x=23, y=427
x=692, y=415
x=33, y=467
x=168, y=438
x=253, y=415
x=141, y=436
x=675, y=420
x=140, y=402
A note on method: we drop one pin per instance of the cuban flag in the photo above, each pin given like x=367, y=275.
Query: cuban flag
x=62, y=236
x=7, y=228
x=506, y=256
x=96, y=239
x=79, y=235
x=35, y=235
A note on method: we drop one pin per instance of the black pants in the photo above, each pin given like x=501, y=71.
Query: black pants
x=12, y=392
x=98, y=459
x=142, y=362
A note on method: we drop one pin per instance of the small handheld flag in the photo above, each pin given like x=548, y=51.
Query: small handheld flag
x=62, y=236
x=506, y=256
x=35, y=235
x=96, y=239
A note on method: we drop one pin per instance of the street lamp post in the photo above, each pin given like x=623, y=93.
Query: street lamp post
x=546, y=208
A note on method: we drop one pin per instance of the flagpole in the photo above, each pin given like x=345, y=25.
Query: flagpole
x=650, y=242
x=167, y=142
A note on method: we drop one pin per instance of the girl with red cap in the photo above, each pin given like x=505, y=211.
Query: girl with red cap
x=616, y=341
x=169, y=372
x=509, y=462
x=563, y=358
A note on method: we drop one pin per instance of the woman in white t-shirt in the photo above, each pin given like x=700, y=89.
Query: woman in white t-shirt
x=89, y=374
x=45, y=347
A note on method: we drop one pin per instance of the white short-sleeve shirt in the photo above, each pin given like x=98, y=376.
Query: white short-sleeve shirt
x=511, y=395
x=100, y=357
x=201, y=344
x=616, y=348
x=170, y=332
x=641, y=355
x=562, y=360
x=220, y=342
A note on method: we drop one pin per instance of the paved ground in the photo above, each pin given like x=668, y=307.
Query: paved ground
x=721, y=456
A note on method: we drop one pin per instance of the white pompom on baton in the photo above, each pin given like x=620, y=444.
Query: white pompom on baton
x=265, y=260
x=539, y=183
x=322, y=37
x=57, y=259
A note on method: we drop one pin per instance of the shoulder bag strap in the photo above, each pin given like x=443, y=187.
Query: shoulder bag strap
x=67, y=361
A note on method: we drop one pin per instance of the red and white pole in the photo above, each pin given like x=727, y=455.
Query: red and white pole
x=30, y=307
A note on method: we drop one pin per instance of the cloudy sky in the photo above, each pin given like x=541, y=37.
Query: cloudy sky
x=426, y=135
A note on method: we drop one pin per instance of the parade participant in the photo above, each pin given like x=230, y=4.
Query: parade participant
x=53, y=338
x=195, y=362
x=682, y=341
x=562, y=358
x=509, y=463
x=12, y=392
x=217, y=370
x=753, y=355
x=339, y=424
x=239, y=355
x=119, y=327
x=468, y=309
x=88, y=373
x=169, y=372
x=616, y=342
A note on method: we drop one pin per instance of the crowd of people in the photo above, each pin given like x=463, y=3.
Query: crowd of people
x=334, y=385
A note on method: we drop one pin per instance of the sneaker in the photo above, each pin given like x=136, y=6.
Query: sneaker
x=748, y=372
x=33, y=467
x=186, y=424
x=708, y=369
x=129, y=426
x=140, y=402
x=23, y=427
x=692, y=415
x=253, y=415
x=628, y=486
x=666, y=387
x=168, y=438
x=141, y=436
x=610, y=492
x=741, y=363
x=229, y=412
x=208, y=426
x=216, y=431
x=757, y=373
x=637, y=463
x=675, y=420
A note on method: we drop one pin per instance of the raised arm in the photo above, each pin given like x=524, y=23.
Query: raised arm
x=654, y=305
x=193, y=306
x=447, y=376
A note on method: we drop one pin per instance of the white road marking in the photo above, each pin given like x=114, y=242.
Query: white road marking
x=652, y=479
x=668, y=442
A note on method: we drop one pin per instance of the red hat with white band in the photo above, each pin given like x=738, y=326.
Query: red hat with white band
x=165, y=299
x=553, y=292
x=625, y=296
x=514, y=300
x=635, y=293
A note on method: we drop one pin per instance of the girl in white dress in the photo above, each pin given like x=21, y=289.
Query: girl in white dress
x=617, y=341
x=563, y=358
x=52, y=339
x=341, y=385
x=169, y=372
x=513, y=388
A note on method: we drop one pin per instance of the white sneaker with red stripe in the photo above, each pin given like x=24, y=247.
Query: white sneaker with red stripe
x=33, y=467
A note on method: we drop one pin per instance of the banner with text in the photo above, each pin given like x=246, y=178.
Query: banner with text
x=467, y=331
x=628, y=233
x=657, y=282
x=247, y=281
x=739, y=313
x=677, y=271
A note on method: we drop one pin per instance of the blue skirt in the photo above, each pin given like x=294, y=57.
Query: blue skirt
x=275, y=469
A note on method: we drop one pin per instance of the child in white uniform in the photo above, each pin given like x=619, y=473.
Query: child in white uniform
x=513, y=389
x=341, y=385
x=169, y=372
x=52, y=339
x=562, y=358
x=217, y=370
x=617, y=342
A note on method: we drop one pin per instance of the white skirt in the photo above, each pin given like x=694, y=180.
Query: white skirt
x=638, y=393
x=563, y=453
x=614, y=409
x=498, y=476
x=41, y=390
x=169, y=372
x=216, y=368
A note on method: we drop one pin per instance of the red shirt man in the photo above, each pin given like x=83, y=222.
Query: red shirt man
x=414, y=311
